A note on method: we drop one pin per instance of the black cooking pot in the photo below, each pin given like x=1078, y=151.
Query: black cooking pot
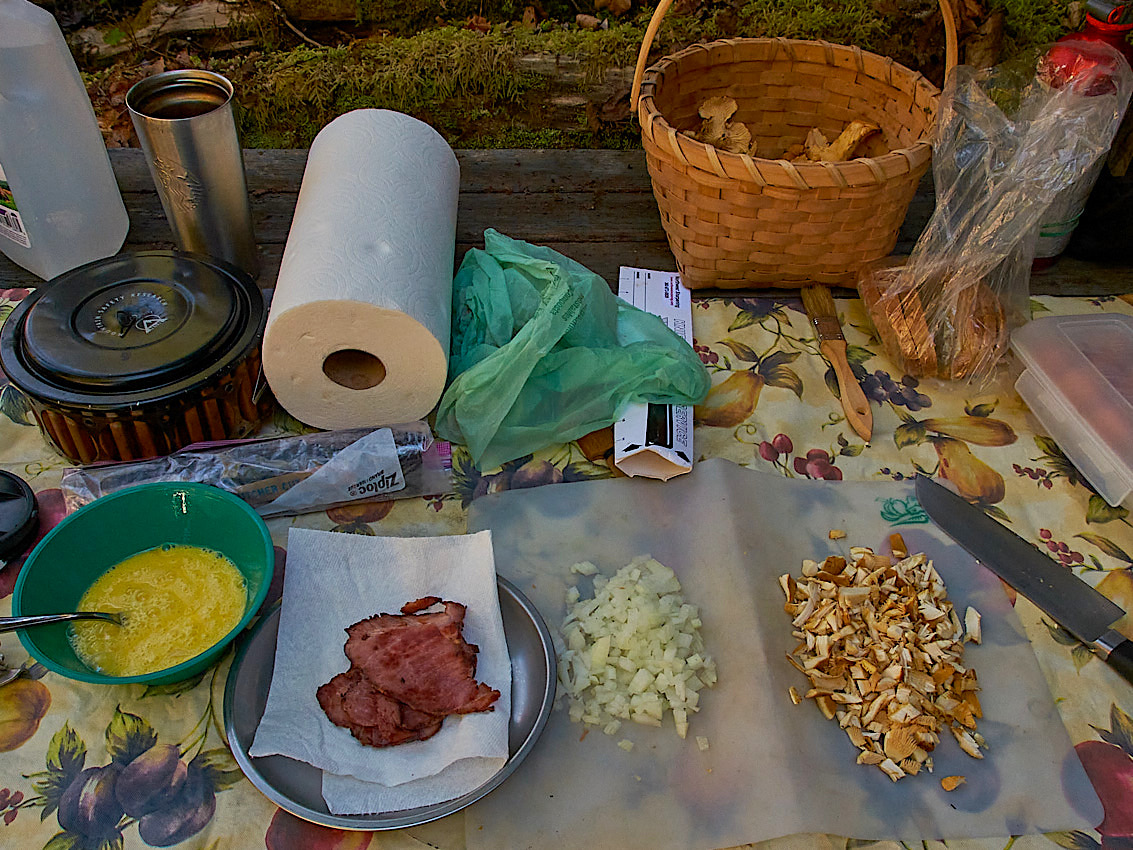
x=139, y=354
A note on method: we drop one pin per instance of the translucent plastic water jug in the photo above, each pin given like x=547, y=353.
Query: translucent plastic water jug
x=60, y=206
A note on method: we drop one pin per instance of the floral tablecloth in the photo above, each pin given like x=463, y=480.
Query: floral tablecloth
x=64, y=745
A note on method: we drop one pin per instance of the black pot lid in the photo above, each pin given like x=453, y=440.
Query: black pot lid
x=19, y=515
x=133, y=323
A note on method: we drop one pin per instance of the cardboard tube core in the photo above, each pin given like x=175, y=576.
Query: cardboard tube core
x=354, y=369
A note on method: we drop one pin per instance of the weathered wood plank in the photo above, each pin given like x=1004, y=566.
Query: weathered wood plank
x=603, y=258
x=596, y=207
x=533, y=171
x=614, y=217
x=481, y=171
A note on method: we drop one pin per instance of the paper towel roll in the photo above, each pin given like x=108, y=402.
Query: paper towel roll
x=358, y=331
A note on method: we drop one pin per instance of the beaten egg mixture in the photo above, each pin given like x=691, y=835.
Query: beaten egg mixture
x=177, y=600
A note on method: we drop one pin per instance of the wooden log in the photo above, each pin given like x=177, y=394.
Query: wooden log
x=572, y=71
x=165, y=18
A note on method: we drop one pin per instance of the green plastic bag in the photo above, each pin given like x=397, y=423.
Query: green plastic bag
x=542, y=352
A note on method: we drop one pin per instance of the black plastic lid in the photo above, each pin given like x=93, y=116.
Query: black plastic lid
x=132, y=328
x=19, y=515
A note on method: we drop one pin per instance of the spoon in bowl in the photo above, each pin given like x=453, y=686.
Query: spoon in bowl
x=8, y=674
x=8, y=624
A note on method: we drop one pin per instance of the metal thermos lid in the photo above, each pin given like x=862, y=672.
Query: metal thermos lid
x=133, y=328
x=19, y=515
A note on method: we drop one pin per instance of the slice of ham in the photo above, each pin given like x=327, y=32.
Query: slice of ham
x=421, y=659
x=407, y=672
x=349, y=700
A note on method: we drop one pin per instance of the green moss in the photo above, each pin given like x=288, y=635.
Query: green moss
x=292, y=95
x=465, y=82
x=548, y=138
x=598, y=51
x=849, y=22
x=1031, y=23
x=405, y=17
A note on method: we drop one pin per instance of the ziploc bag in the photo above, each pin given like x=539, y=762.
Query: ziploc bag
x=287, y=476
x=1007, y=145
x=543, y=352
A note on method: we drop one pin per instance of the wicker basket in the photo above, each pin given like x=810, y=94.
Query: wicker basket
x=734, y=220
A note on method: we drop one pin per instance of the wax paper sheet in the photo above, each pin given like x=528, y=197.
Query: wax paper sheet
x=772, y=768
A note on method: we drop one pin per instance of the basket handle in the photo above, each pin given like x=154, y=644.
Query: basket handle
x=951, y=44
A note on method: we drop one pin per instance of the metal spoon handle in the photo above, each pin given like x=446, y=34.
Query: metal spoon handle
x=8, y=624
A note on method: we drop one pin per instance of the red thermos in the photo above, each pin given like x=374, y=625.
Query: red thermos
x=1102, y=24
x=1066, y=59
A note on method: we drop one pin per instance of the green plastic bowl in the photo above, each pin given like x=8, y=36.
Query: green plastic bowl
x=112, y=528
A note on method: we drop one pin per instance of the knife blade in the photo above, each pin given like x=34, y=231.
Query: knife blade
x=1065, y=598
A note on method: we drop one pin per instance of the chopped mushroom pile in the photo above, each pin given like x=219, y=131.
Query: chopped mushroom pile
x=882, y=648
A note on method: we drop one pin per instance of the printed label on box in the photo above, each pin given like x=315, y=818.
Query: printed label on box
x=655, y=440
x=11, y=225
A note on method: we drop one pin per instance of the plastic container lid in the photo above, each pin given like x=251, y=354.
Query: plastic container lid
x=131, y=329
x=19, y=515
x=1079, y=384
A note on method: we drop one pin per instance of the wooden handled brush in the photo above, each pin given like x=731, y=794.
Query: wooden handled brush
x=819, y=304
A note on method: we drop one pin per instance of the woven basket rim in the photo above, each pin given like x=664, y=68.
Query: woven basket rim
x=768, y=171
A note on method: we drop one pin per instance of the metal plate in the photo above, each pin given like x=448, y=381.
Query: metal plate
x=297, y=787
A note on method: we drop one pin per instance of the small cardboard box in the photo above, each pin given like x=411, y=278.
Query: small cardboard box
x=655, y=440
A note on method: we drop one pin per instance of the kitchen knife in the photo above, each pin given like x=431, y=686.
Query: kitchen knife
x=1054, y=588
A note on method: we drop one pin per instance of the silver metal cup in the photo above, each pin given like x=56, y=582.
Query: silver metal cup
x=185, y=124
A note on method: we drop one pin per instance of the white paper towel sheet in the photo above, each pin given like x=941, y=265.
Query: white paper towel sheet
x=334, y=580
x=358, y=332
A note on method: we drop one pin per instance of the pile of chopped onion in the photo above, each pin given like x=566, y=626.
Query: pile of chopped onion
x=633, y=650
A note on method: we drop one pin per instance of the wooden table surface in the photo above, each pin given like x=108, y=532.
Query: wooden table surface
x=596, y=207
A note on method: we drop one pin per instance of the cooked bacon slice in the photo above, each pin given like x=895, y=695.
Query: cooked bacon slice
x=421, y=659
x=351, y=701
x=420, y=604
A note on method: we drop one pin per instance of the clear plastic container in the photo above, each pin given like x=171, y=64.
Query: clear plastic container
x=1079, y=384
x=60, y=206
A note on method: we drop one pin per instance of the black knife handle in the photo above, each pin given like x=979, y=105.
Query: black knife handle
x=1118, y=653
